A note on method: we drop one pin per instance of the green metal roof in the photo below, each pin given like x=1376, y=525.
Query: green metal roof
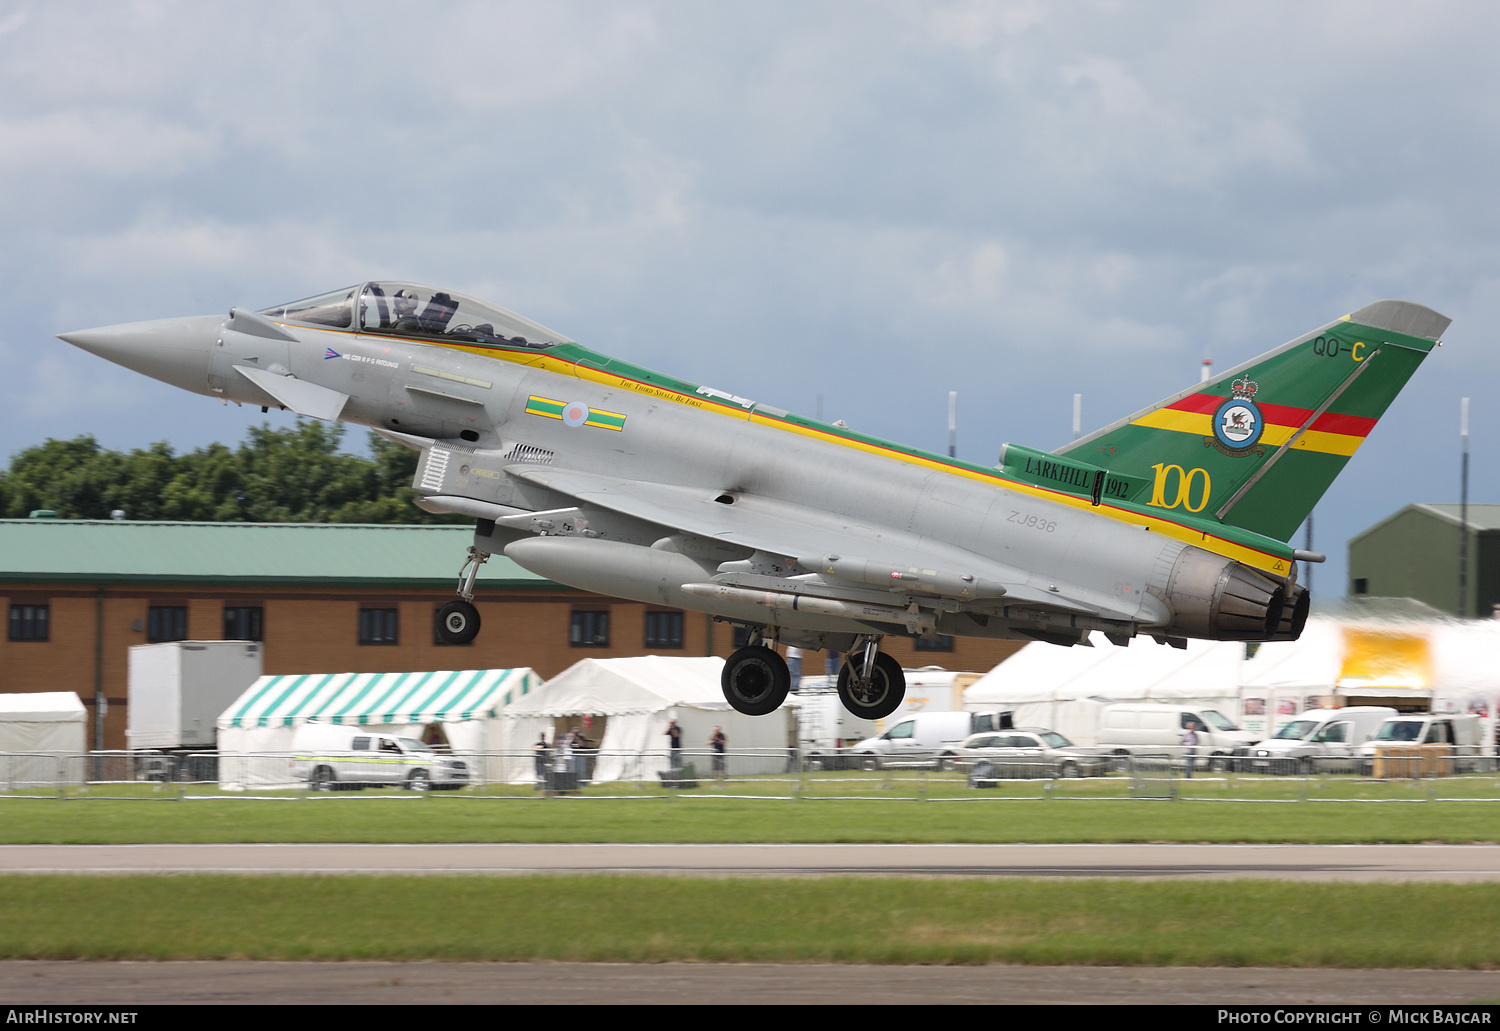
x=250, y=554
x=1482, y=518
x=360, y=699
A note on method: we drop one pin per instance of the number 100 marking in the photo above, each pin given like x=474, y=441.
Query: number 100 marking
x=1184, y=493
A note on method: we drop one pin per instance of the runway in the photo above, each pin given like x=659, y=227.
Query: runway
x=1445, y=863
x=407, y=984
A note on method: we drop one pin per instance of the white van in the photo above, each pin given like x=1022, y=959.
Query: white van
x=330, y=757
x=1319, y=737
x=1463, y=732
x=1139, y=728
x=923, y=738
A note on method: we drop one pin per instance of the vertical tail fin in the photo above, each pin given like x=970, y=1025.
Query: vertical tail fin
x=1257, y=446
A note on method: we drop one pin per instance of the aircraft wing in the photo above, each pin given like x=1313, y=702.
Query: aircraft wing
x=832, y=546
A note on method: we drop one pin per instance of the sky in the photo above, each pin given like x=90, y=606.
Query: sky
x=862, y=205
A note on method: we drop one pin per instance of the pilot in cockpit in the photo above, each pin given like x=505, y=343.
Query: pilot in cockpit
x=405, y=318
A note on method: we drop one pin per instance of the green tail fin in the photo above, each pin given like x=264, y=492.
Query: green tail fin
x=1257, y=446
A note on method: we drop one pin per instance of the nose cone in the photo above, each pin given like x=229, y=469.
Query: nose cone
x=175, y=351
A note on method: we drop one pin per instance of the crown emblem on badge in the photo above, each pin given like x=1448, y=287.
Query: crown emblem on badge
x=1244, y=389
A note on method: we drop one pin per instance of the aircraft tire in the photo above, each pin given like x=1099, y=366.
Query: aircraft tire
x=887, y=689
x=458, y=622
x=755, y=680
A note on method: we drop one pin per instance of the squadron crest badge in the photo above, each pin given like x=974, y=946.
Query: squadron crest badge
x=1238, y=422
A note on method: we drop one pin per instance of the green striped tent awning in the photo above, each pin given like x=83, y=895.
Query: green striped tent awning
x=440, y=696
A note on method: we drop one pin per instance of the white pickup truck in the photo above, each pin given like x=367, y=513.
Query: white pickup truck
x=333, y=757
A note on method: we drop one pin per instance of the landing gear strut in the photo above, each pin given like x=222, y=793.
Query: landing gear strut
x=871, y=684
x=458, y=621
x=755, y=679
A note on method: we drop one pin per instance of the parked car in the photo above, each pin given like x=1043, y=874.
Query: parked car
x=330, y=757
x=1028, y=752
x=1319, y=738
x=1135, y=728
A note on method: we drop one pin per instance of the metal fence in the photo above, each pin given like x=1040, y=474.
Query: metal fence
x=757, y=773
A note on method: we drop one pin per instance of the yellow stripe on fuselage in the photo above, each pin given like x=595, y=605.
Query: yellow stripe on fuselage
x=1229, y=549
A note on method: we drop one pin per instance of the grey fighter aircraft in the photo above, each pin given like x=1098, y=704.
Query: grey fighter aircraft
x=1172, y=523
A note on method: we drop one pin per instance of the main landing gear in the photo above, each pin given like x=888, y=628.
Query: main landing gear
x=871, y=684
x=756, y=680
x=458, y=621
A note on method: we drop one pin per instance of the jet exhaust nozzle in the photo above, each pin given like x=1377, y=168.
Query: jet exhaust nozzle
x=1222, y=600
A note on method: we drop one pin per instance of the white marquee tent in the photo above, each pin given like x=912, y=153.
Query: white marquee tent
x=44, y=721
x=1064, y=688
x=46, y=733
x=1451, y=666
x=638, y=696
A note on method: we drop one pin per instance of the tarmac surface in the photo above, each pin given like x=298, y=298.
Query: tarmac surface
x=32, y=982
x=1450, y=863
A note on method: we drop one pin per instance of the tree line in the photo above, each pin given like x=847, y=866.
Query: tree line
x=292, y=475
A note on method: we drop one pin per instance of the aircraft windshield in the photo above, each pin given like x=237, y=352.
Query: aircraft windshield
x=334, y=309
x=409, y=310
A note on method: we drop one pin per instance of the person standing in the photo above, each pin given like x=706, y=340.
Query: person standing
x=794, y=666
x=674, y=741
x=539, y=750
x=717, y=741
x=1189, y=742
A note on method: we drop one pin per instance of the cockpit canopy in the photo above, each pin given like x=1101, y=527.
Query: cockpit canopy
x=417, y=312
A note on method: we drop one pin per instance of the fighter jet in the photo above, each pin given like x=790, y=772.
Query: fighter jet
x=594, y=472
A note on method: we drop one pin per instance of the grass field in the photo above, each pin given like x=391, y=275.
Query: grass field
x=844, y=919
x=710, y=818
x=848, y=920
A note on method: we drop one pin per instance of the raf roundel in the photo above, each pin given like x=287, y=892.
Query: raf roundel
x=1238, y=422
x=575, y=414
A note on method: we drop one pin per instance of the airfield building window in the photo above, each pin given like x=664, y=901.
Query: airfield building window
x=243, y=623
x=29, y=622
x=377, y=626
x=589, y=630
x=334, y=309
x=664, y=630
x=940, y=643
x=166, y=623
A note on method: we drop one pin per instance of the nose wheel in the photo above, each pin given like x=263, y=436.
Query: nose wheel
x=458, y=622
x=871, y=684
x=755, y=680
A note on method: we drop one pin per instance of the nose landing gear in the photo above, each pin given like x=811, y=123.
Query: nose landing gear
x=458, y=621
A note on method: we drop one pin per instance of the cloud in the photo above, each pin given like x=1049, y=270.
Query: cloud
x=876, y=203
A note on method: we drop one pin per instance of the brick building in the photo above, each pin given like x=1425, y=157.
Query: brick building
x=322, y=599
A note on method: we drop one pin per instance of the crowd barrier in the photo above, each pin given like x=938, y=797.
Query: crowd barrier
x=752, y=772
